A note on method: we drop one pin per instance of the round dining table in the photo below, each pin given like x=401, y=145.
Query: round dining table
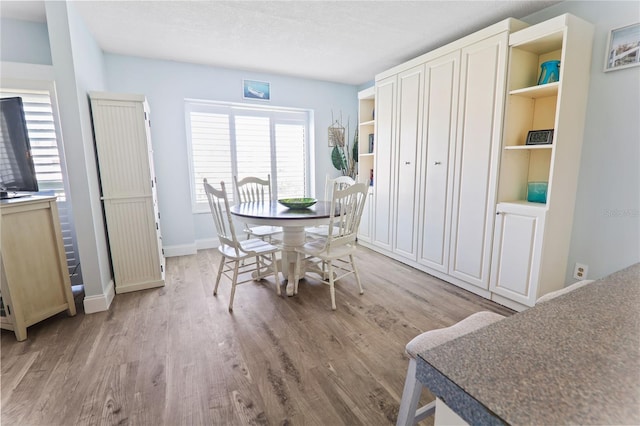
x=293, y=223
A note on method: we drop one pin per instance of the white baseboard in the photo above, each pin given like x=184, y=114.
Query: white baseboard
x=518, y=307
x=100, y=302
x=179, y=250
x=140, y=286
x=189, y=249
x=207, y=243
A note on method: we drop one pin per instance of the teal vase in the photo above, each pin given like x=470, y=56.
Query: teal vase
x=549, y=72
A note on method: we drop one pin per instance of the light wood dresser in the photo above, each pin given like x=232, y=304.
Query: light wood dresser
x=34, y=275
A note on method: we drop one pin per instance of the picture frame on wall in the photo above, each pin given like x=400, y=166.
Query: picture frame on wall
x=623, y=48
x=256, y=90
x=336, y=135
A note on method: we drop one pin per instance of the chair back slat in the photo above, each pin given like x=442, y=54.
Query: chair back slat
x=347, y=206
x=219, y=205
x=253, y=189
x=342, y=182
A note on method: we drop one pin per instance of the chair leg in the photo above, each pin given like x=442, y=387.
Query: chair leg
x=296, y=273
x=410, y=397
x=233, y=284
x=355, y=271
x=332, y=288
x=274, y=265
x=215, y=289
x=258, y=273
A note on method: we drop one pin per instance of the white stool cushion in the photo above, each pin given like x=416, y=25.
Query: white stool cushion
x=433, y=338
x=562, y=291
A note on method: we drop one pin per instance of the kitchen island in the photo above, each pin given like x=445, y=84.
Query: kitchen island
x=574, y=359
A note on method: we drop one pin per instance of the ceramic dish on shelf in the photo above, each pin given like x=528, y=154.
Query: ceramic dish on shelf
x=297, y=203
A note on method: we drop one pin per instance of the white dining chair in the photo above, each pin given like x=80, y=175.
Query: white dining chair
x=236, y=254
x=341, y=182
x=409, y=414
x=254, y=189
x=331, y=257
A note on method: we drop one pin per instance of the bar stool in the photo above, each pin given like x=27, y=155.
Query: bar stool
x=562, y=291
x=409, y=413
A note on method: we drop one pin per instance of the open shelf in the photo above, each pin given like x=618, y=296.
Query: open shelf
x=536, y=92
x=528, y=204
x=529, y=147
x=530, y=41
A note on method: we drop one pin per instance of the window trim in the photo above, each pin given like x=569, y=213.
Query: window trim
x=41, y=83
x=199, y=105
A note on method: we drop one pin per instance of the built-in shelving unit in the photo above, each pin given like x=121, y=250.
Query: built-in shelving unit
x=366, y=134
x=531, y=239
x=366, y=154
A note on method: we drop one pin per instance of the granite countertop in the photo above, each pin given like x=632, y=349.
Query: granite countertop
x=574, y=359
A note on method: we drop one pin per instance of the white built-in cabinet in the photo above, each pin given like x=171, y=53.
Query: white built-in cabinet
x=517, y=243
x=398, y=127
x=383, y=193
x=438, y=153
x=452, y=165
x=406, y=147
x=531, y=240
x=477, y=153
x=121, y=124
x=438, y=127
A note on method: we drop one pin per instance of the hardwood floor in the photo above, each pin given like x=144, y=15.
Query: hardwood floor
x=176, y=356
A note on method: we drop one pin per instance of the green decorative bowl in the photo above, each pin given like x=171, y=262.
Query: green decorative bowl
x=297, y=203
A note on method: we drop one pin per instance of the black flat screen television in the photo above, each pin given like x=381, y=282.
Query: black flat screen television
x=17, y=173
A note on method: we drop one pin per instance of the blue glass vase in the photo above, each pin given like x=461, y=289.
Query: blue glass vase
x=549, y=72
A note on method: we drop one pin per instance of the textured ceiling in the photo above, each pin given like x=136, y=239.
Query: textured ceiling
x=341, y=41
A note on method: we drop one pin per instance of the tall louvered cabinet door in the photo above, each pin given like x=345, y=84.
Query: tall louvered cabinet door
x=128, y=189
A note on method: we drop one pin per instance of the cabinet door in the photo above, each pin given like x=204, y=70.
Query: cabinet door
x=122, y=145
x=440, y=108
x=409, y=136
x=482, y=81
x=516, y=252
x=364, y=231
x=134, y=244
x=383, y=171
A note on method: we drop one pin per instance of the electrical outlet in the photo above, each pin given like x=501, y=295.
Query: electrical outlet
x=580, y=271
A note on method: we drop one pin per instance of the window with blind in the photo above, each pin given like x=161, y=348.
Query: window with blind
x=230, y=139
x=49, y=164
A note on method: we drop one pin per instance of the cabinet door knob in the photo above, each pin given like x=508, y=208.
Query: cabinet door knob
x=407, y=162
x=498, y=213
x=437, y=163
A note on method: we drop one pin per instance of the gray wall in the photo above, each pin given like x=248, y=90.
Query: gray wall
x=167, y=84
x=606, y=225
x=78, y=68
x=24, y=42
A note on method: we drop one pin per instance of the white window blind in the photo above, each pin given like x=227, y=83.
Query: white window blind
x=49, y=164
x=228, y=139
x=288, y=150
